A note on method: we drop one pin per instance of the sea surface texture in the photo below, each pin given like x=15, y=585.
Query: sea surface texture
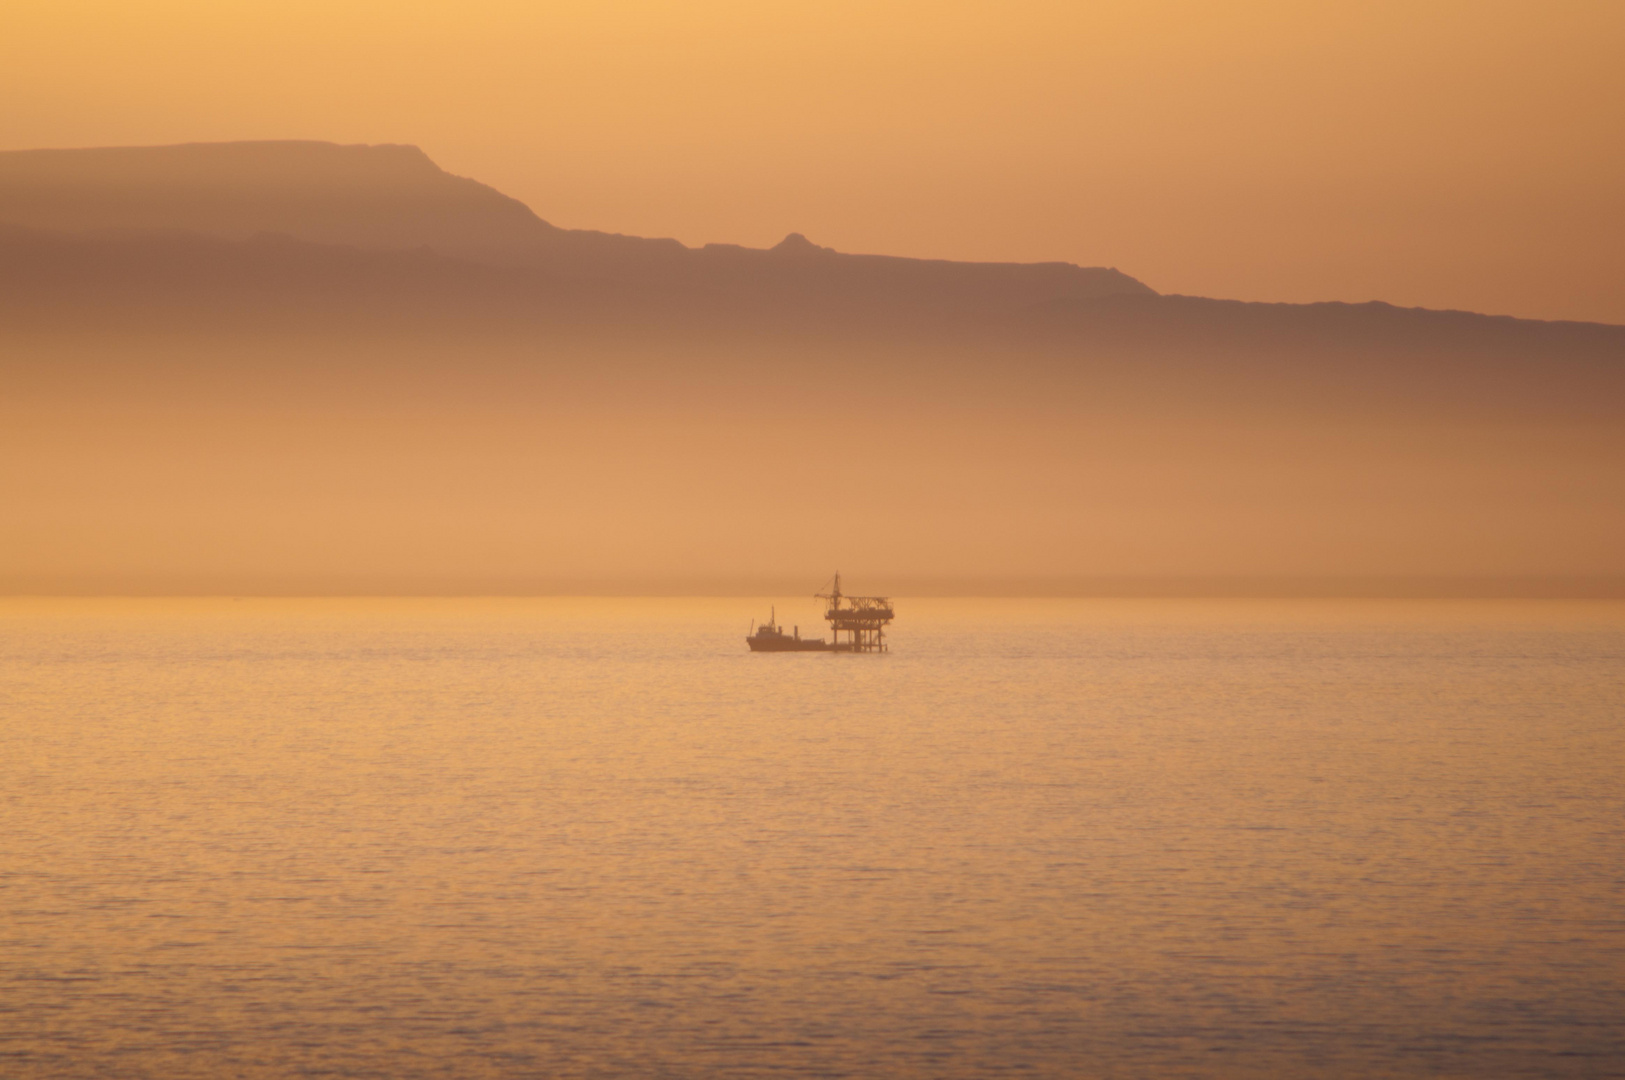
x=568, y=838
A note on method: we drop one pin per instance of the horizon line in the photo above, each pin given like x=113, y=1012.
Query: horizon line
x=1124, y=587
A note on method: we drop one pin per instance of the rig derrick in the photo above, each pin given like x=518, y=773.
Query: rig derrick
x=862, y=619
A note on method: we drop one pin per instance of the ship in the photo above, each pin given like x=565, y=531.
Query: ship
x=862, y=619
x=770, y=637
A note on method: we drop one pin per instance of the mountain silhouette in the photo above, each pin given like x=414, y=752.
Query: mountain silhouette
x=315, y=238
x=368, y=196
x=395, y=198
x=380, y=233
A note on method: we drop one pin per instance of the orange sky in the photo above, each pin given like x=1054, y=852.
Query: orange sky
x=1446, y=154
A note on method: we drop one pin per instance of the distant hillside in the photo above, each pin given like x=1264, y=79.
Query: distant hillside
x=312, y=238
x=368, y=196
x=395, y=198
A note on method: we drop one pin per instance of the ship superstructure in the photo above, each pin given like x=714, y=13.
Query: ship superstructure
x=770, y=637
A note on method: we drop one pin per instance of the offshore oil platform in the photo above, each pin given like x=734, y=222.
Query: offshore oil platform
x=862, y=619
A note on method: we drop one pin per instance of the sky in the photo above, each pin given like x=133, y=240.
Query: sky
x=1429, y=153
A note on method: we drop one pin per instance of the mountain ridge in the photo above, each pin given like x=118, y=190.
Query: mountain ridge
x=394, y=197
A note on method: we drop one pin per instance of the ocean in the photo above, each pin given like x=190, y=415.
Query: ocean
x=599, y=838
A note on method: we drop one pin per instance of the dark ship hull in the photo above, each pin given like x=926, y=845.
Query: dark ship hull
x=783, y=643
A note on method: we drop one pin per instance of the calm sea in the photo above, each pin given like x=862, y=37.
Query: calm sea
x=555, y=838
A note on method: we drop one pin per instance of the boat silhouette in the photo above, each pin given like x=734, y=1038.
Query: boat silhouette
x=770, y=637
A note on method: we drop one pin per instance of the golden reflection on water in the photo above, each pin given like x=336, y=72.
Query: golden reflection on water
x=599, y=838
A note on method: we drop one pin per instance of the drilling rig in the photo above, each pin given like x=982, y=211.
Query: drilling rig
x=862, y=619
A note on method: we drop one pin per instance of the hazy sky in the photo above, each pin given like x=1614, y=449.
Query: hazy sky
x=1429, y=152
